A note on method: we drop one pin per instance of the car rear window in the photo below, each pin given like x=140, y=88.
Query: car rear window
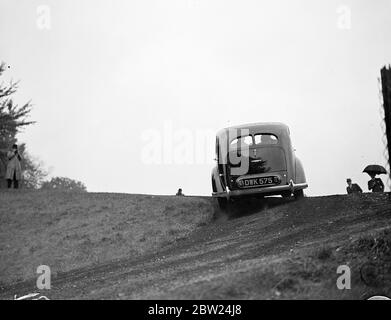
x=265, y=139
x=244, y=140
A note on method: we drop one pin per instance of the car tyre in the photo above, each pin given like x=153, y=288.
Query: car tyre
x=286, y=194
x=298, y=194
x=222, y=202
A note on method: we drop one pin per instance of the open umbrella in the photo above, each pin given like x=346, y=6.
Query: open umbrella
x=375, y=169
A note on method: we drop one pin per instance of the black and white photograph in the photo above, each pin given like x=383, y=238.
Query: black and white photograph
x=198, y=156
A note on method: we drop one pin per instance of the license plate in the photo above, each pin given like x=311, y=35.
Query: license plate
x=258, y=182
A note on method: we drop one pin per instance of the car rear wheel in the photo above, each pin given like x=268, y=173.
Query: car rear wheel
x=223, y=202
x=286, y=194
x=298, y=194
x=214, y=185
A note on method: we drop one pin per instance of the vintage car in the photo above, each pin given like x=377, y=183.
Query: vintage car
x=256, y=159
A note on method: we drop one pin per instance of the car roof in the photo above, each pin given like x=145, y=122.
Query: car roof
x=267, y=127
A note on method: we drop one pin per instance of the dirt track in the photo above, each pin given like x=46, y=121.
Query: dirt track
x=246, y=255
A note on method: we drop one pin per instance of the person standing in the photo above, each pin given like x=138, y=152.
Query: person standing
x=375, y=184
x=14, y=168
x=180, y=193
x=352, y=187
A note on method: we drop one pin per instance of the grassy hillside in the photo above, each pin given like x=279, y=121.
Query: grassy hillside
x=72, y=230
x=118, y=246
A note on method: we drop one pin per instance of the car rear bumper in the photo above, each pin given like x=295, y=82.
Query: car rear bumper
x=292, y=187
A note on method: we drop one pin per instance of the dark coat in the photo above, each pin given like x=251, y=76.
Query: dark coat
x=14, y=169
x=376, y=185
x=355, y=188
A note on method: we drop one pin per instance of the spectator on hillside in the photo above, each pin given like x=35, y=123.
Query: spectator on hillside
x=352, y=187
x=179, y=193
x=14, y=168
x=3, y=166
x=375, y=184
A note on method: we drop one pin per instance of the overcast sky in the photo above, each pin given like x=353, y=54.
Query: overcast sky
x=110, y=80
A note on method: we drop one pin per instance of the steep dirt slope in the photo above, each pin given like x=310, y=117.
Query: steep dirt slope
x=265, y=249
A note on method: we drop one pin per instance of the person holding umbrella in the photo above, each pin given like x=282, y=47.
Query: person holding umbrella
x=375, y=184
